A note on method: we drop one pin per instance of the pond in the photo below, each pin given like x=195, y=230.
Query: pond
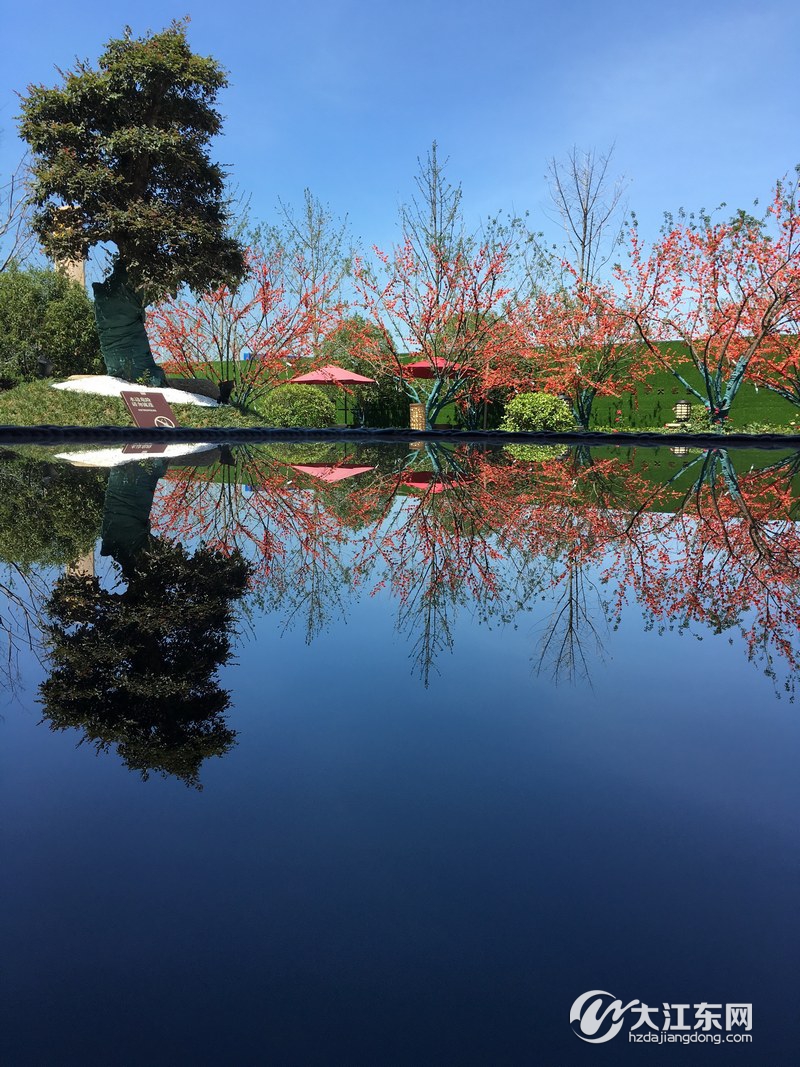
x=332, y=753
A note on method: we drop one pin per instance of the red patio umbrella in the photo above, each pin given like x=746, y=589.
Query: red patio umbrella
x=333, y=375
x=424, y=368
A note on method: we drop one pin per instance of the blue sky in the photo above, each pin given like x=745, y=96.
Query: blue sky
x=342, y=96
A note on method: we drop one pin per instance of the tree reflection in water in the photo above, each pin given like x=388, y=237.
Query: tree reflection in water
x=570, y=536
x=49, y=515
x=135, y=667
x=727, y=558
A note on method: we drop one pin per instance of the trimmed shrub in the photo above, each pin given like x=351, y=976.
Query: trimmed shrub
x=536, y=412
x=297, y=406
x=43, y=313
x=698, y=421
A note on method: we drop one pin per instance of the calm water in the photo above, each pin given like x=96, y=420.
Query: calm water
x=314, y=755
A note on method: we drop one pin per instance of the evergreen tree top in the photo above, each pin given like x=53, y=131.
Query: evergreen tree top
x=120, y=154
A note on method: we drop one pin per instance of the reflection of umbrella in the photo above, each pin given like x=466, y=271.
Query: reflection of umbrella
x=333, y=375
x=421, y=480
x=328, y=473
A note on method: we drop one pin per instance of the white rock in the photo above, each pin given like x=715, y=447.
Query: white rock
x=105, y=385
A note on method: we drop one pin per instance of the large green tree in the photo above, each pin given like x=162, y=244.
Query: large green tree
x=120, y=154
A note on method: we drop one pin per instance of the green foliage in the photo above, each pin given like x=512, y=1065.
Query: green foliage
x=652, y=404
x=297, y=406
x=119, y=153
x=49, y=513
x=470, y=414
x=43, y=313
x=535, y=453
x=137, y=670
x=381, y=405
x=537, y=411
x=698, y=421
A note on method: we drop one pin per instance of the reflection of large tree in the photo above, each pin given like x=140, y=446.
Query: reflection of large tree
x=572, y=506
x=445, y=540
x=571, y=627
x=135, y=667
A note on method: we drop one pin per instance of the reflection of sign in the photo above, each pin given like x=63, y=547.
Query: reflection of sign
x=149, y=409
x=144, y=450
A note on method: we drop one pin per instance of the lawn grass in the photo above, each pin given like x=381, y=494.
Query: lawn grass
x=653, y=404
x=38, y=404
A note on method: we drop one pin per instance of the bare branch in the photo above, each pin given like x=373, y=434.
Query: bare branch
x=590, y=206
x=17, y=240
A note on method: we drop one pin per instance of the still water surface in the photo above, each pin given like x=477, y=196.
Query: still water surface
x=315, y=755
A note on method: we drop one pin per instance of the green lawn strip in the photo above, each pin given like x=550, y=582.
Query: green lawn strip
x=653, y=404
x=38, y=404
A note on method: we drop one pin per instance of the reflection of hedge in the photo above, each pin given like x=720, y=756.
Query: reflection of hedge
x=49, y=513
x=535, y=453
x=289, y=452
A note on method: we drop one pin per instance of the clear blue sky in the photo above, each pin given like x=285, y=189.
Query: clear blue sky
x=700, y=97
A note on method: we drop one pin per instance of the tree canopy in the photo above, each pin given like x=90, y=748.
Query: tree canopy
x=120, y=154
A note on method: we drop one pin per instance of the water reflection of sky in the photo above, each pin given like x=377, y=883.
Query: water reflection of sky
x=384, y=871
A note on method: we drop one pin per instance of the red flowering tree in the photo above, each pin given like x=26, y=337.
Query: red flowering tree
x=777, y=367
x=246, y=334
x=452, y=310
x=714, y=296
x=585, y=346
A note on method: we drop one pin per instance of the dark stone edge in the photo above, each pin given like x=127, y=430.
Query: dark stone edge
x=248, y=435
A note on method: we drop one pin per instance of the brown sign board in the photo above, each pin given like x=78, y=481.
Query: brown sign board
x=149, y=410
